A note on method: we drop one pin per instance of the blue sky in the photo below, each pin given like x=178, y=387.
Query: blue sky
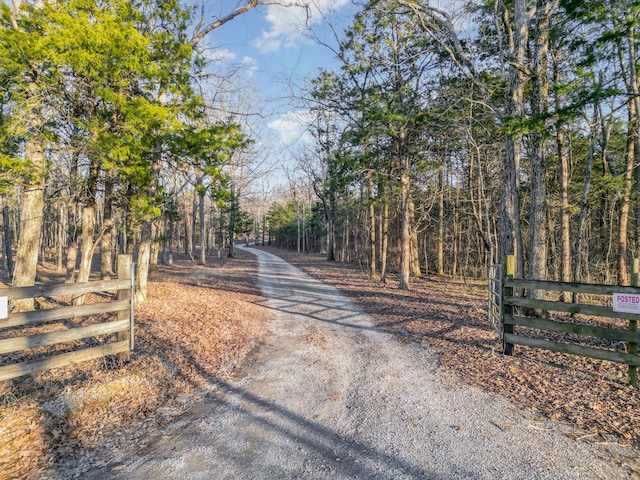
x=270, y=49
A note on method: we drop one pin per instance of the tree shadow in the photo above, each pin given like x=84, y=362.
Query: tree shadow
x=319, y=441
x=313, y=300
x=213, y=275
x=343, y=456
x=53, y=423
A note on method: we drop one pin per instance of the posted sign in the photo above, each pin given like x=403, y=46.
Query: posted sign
x=626, y=303
x=4, y=307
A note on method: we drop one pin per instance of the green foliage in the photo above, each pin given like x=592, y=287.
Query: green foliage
x=244, y=223
x=206, y=147
x=111, y=82
x=379, y=93
x=282, y=221
x=143, y=207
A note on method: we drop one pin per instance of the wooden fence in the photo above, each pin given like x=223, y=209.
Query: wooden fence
x=122, y=326
x=510, y=319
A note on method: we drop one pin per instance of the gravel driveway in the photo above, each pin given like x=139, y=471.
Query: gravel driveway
x=327, y=396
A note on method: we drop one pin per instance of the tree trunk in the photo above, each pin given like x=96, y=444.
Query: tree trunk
x=384, y=240
x=633, y=108
x=584, y=202
x=232, y=222
x=415, y=254
x=187, y=233
x=476, y=209
x=106, y=259
x=509, y=236
x=625, y=202
x=201, y=214
x=457, y=241
x=563, y=181
x=331, y=228
x=71, y=260
x=144, y=257
x=167, y=229
x=565, y=214
x=305, y=240
x=345, y=230
x=372, y=228
x=194, y=227
x=73, y=230
x=405, y=237
x=88, y=228
x=31, y=217
x=8, y=252
x=155, y=250
x=440, y=241
x=87, y=244
x=61, y=236
x=86, y=248
x=539, y=106
x=298, y=229
x=146, y=236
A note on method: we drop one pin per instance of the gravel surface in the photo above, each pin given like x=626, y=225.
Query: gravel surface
x=328, y=396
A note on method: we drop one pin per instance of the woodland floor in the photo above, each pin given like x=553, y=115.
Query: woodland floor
x=200, y=322
x=197, y=325
x=450, y=315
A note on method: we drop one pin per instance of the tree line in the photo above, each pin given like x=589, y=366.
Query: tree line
x=110, y=140
x=442, y=153
x=434, y=152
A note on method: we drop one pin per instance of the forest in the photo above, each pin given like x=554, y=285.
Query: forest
x=445, y=140
x=440, y=153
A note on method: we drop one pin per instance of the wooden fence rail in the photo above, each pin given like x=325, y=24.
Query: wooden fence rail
x=510, y=319
x=122, y=326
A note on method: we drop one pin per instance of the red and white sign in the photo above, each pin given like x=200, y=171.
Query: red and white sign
x=626, y=303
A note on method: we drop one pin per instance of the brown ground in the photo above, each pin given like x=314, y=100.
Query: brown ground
x=450, y=315
x=199, y=322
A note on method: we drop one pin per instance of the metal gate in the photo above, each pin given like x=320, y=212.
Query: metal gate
x=495, y=298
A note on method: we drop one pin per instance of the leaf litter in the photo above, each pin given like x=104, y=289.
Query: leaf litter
x=449, y=315
x=198, y=323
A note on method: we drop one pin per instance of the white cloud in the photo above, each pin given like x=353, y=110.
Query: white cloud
x=267, y=44
x=291, y=126
x=220, y=55
x=250, y=66
x=288, y=24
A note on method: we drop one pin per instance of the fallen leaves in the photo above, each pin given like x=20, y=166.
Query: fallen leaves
x=198, y=323
x=316, y=336
x=450, y=317
x=201, y=321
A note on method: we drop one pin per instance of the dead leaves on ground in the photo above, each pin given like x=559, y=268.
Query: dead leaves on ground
x=450, y=316
x=201, y=321
x=192, y=330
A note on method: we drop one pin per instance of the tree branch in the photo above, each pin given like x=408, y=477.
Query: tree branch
x=203, y=29
x=430, y=17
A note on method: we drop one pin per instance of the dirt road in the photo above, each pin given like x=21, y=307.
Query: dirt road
x=327, y=396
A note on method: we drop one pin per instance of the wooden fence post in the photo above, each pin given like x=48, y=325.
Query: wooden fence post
x=633, y=325
x=507, y=313
x=124, y=273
